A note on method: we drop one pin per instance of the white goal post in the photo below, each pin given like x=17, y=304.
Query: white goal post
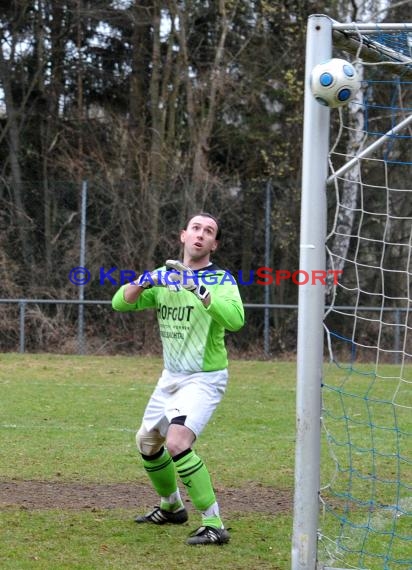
x=322, y=178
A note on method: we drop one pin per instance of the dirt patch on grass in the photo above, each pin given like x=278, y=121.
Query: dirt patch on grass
x=33, y=495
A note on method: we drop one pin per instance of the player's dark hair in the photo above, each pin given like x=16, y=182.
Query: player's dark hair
x=207, y=215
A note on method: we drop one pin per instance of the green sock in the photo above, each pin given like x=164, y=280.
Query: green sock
x=162, y=474
x=211, y=516
x=195, y=477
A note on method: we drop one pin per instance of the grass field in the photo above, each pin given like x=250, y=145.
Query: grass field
x=71, y=480
x=67, y=419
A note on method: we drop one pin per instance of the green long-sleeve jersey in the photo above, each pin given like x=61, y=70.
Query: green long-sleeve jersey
x=193, y=335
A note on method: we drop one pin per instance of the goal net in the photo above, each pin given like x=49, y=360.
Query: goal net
x=357, y=511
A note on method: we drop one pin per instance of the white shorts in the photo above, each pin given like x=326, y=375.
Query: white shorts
x=192, y=395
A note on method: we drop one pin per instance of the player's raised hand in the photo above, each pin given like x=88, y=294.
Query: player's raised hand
x=157, y=278
x=186, y=278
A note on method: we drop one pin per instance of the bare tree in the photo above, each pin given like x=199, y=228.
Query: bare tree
x=12, y=132
x=348, y=194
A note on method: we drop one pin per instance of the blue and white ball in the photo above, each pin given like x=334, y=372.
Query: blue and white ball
x=334, y=82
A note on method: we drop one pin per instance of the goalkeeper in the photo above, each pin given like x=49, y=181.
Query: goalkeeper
x=195, y=303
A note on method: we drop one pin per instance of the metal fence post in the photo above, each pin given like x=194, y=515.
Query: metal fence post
x=266, y=314
x=80, y=333
x=22, y=339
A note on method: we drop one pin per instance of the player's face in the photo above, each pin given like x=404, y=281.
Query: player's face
x=199, y=238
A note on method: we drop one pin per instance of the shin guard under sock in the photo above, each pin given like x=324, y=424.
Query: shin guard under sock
x=162, y=474
x=195, y=477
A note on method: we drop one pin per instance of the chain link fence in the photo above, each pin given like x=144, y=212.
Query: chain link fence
x=33, y=325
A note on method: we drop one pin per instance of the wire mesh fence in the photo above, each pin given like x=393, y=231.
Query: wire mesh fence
x=70, y=326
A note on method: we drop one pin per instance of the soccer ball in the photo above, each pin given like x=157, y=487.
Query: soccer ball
x=334, y=82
